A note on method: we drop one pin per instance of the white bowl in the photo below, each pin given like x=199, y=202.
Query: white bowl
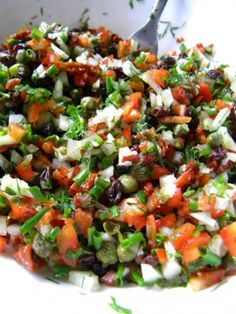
x=206, y=21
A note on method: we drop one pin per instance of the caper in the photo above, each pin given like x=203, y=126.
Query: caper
x=107, y=254
x=125, y=254
x=41, y=246
x=129, y=183
x=213, y=139
x=88, y=103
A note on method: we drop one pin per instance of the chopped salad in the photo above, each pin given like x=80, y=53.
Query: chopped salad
x=116, y=166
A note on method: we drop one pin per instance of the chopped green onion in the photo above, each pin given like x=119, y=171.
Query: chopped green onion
x=103, y=183
x=52, y=70
x=138, y=278
x=193, y=206
x=67, y=212
x=3, y=201
x=30, y=223
x=160, y=238
x=94, y=238
x=53, y=234
x=119, y=309
x=82, y=176
x=96, y=192
x=61, y=271
x=37, y=194
x=210, y=258
x=189, y=192
x=107, y=162
x=36, y=34
x=142, y=196
x=134, y=239
x=120, y=274
x=98, y=140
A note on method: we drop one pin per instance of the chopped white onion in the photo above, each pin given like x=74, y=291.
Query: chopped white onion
x=147, y=78
x=129, y=69
x=16, y=118
x=123, y=152
x=59, y=52
x=16, y=158
x=3, y=225
x=57, y=164
x=109, y=115
x=167, y=97
x=7, y=140
x=168, y=185
x=171, y=269
x=108, y=172
x=206, y=219
x=20, y=187
x=150, y=274
x=63, y=123
x=13, y=230
x=226, y=140
x=85, y=280
x=217, y=246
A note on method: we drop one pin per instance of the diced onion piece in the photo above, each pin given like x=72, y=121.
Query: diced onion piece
x=129, y=69
x=233, y=86
x=167, y=97
x=217, y=246
x=16, y=158
x=168, y=185
x=150, y=274
x=3, y=225
x=147, y=78
x=220, y=118
x=124, y=152
x=20, y=187
x=231, y=156
x=171, y=269
x=59, y=52
x=226, y=140
x=108, y=172
x=63, y=123
x=205, y=219
x=156, y=101
x=7, y=140
x=222, y=202
x=16, y=118
x=109, y=115
x=13, y=230
x=85, y=280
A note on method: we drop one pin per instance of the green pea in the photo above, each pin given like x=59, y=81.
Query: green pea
x=107, y=254
x=88, y=103
x=129, y=183
x=213, y=139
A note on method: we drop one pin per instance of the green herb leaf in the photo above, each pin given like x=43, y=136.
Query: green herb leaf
x=118, y=308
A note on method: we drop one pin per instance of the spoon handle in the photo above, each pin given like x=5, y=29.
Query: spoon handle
x=157, y=11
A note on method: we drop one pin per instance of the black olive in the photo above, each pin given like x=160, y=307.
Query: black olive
x=114, y=193
x=87, y=260
x=214, y=74
x=45, y=179
x=48, y=129
x=168, y=61
x=122, y=169
x=119, y=72
x=2, y=172
x=98, y=269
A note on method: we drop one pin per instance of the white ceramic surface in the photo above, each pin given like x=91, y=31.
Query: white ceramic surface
x=207, y=21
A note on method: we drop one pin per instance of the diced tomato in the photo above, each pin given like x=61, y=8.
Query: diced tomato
x=22, y=212
x=48, y=147
x=62, y=176
x=48, y=59
x=84, y=221
x=137, y=85
x=25, y=171
x=205, y=92
x=217, y=213
x=148, y=188
x=33, y=112
x=159, y=76
x=176, y=200
x=182, y=234
x=180, y=95
x=48, y=218
x=228, y=235
x=89, y=183
x=180, y=110
x=42, y=44
x=221, y=105
x=191, y=255
x=67, y=239
x=16, y=131
x=201, y=240
x=153, y=202
x=204, y=178
x=124, y=47
x=3, y=243
x=136, y=220
x=166, y=221
x=205, y=279
x=74, y=188
x=40, y=161
x=125, y=136
x=206, y=202
x=24, y=256
x=158, y=171
x=185, y=178
x=104, y=34
x=151, y=230
x=183, y=211
x=129, y=114
x=162, y=256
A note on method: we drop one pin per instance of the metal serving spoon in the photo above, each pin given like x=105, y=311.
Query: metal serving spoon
x=147, y=34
